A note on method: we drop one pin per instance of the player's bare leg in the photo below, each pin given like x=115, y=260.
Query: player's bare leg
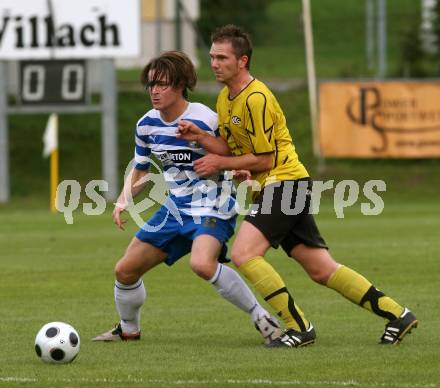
x=249, y=242
x=317, y=262
x=204, y=253
x=138, y=259
x=130, y=294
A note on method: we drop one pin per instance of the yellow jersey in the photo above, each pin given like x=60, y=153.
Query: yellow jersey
x=253, y=122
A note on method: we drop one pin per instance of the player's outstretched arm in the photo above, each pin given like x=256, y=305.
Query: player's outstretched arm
x=133, y=185
x=211, y=163
x=187, y=130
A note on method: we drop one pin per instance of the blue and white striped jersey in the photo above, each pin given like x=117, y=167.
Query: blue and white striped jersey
x=193, y=195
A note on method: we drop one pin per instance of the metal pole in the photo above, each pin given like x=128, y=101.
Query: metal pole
x=382, y=38
x=369, y=33
x=178, y=27
x=158, y=27
x=311, y=76
x=4, y=147
x=109, y=132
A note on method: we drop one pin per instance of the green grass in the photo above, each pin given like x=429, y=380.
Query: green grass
x=191, y=337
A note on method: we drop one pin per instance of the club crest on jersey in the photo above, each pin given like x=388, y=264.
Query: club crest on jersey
x=210, y=222
x=236, y=120
x=175, y=156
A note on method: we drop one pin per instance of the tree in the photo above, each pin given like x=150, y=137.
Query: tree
x=436, y=31
x=244, y=13
x=412, y=52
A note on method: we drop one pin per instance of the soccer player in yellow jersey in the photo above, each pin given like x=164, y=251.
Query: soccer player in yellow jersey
x=254, y=137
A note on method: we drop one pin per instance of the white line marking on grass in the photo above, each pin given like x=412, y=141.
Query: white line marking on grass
x=17, y=380
x=134, y=380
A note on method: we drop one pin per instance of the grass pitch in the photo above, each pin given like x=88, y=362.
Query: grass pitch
x=191, y=337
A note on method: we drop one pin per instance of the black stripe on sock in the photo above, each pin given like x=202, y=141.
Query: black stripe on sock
x=373, y=295
x=129, y=289
x=295, y=314
x=290, y=305
x=277, y=292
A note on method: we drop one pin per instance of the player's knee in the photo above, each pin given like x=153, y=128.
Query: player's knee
x=240, y=255
x=322, y=274
x=319, y=276
x=124, y=275
x=237, y=252
x=202, y=268
x=317, y=262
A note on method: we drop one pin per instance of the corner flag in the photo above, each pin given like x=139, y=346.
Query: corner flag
x=50, y=141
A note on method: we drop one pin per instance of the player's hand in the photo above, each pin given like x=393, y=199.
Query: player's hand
x=116, y=215
x=208, y=165
x=188, y=131
x=241, y=175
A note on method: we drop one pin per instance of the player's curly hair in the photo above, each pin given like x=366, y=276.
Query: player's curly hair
x=173, y=66
x=240, y=40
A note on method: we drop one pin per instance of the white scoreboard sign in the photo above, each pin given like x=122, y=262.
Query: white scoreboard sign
x=60, y=29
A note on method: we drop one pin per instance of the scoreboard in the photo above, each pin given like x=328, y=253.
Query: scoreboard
x=52, y=82
x=61, y=86
x=53, y=55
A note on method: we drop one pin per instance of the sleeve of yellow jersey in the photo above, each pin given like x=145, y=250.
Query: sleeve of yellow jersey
x=259, y=123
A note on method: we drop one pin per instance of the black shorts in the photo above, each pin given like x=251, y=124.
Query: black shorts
x=281, y=213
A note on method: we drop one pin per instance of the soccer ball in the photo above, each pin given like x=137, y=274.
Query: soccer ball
x=57, y=342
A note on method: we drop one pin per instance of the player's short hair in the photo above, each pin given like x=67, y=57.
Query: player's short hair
x=239, y=39
x=173, y=66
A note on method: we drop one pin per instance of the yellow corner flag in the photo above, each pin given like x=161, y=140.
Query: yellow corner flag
x=50, y=141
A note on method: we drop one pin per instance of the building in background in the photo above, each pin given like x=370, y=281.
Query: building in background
x=166, y=25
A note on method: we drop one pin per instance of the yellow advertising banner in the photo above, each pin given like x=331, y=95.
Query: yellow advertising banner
x=380, y=119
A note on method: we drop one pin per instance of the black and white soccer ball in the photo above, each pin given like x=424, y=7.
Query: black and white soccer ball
x=57, y=342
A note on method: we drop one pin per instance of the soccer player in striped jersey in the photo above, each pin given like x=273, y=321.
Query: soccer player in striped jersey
x=253, y=126
x=198, y=216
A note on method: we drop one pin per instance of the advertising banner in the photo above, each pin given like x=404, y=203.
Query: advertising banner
x=395, y=119
x=57, y=29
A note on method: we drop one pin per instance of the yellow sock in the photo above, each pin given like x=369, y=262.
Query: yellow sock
x=271, y=287
x=360, y=291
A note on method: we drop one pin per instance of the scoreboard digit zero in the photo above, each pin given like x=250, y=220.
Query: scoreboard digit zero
x=43, y=82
